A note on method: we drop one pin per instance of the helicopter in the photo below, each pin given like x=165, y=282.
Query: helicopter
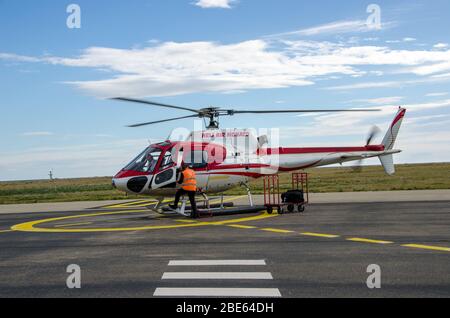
x=226, y=158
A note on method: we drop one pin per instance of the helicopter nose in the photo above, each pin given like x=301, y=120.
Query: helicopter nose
x=120, y=184
x=130, y=183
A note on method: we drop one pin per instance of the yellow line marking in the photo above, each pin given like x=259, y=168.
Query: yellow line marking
x=186, y=221
x=137, y=204
x=242, y=220
x=143, y=205
x=73, y=224
x=320, y=235
x=363, y=240
x=238, y=226
x=428, y=247
x=276, y=230
x=123, y=205
x=6, y=231
x=32, y=226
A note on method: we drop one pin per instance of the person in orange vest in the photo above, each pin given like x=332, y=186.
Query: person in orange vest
x=188, y=183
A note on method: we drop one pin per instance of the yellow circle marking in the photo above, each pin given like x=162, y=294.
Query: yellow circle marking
x=32, y=226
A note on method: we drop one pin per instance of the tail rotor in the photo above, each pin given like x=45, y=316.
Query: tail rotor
x=374, y=132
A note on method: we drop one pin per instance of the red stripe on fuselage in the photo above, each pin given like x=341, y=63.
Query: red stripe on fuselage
x=259, y=175
x=130, y=173
x=297, y=151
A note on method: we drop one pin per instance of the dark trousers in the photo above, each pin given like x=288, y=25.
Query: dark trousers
x=191, y=195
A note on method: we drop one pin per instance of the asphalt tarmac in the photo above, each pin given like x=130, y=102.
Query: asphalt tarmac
x=127, y=250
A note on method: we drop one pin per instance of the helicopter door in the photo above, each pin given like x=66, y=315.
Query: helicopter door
x=168, y=174
x=165, y=178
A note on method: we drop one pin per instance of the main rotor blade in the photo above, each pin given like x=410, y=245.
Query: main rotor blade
x=301, y=111
x=132, y=100
x=161, y=121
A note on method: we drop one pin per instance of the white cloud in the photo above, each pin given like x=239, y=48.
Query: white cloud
x=431, y=120
x=37, y=134
x=441, y=46
x=423, y=146
x=380, y=100
x=436, y=94
x=444, y=76
x=391, y=84
x=406, y=39
x=336, y=27
x=18, y=58
x=208, y=4
x=167, y=69
x=365, y=85
x=431, y=69
x=352, y=124
x=371, y=39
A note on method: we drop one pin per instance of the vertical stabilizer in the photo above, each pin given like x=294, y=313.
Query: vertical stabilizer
x=391, y=135
x=389, y=141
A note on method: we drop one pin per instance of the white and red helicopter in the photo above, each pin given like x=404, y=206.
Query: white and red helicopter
x=224, y=159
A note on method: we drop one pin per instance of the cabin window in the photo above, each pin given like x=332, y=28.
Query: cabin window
x=146, y=161
x=167, y=160
x=196, y=158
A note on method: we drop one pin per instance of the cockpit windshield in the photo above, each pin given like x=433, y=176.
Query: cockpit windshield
x=146, y=161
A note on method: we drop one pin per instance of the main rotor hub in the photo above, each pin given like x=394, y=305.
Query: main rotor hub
x=213, y=114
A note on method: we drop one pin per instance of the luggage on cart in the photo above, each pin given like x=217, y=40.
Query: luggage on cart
x=293, y=200
x=293, y=196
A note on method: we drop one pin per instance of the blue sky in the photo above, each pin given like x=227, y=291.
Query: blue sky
x=246, y=54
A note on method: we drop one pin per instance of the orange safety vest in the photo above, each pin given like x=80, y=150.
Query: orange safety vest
x=189, y=180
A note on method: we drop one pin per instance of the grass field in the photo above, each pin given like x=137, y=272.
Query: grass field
x=408, y=177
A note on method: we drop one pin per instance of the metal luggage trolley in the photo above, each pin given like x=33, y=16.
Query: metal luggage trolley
x=291, y=201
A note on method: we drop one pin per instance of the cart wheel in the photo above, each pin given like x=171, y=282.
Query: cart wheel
x=291, y=208
x=301, y=208
x=270, y=210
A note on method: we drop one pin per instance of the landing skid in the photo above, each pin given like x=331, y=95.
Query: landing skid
x=206, y=208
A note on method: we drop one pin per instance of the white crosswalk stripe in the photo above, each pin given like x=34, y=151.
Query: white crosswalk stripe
x=218, y=275
x=213, y=276
x=218, y=263
x=217, y=292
